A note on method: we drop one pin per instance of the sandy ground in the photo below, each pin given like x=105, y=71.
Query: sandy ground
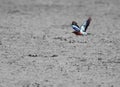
x=38, y=48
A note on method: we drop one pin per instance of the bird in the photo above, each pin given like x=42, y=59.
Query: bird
x=81, y=30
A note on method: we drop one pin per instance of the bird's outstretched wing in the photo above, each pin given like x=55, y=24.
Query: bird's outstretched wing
x=85, y=25
x=76, y=28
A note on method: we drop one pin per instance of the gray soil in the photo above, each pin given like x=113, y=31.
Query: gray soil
x=38, y=48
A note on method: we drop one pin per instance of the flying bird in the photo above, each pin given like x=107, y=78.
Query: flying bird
x=82, y=29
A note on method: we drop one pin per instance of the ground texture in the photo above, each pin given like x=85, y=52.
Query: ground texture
x=38, y=48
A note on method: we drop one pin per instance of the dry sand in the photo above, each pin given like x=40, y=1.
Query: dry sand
x=38, y=48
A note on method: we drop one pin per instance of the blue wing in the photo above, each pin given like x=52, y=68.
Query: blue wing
x=76, y=28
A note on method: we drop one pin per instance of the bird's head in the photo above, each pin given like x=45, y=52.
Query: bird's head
x=74, y=23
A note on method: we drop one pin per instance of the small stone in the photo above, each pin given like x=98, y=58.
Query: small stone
x=34, y=55
x=84, y=82
x=0, y=43
x=99, y=86
x=112, y=86
x=54, y=56
x=99, y=58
